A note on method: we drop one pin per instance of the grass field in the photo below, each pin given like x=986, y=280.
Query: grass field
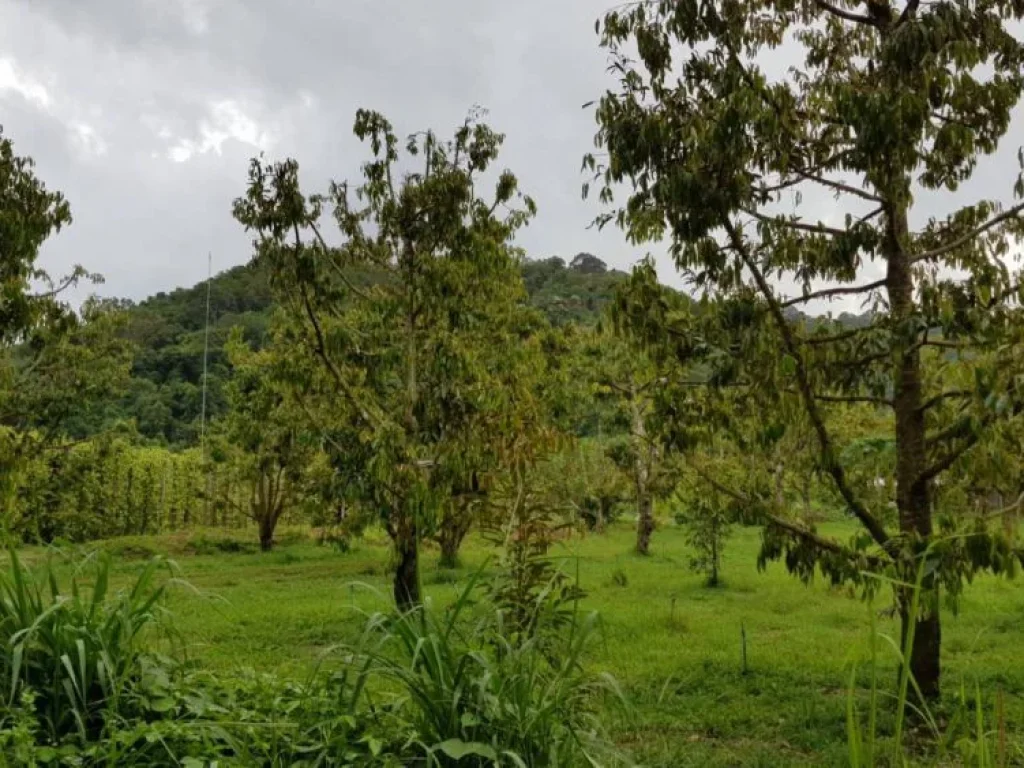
x=675, y=646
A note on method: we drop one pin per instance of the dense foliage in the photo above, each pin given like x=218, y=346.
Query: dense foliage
x=110, y=487
x=167, y=329
x=83, y=685
x=881, y=107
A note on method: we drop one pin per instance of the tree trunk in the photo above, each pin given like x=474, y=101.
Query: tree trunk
x=454, y=528
x=645, y=524
x=407, y=569
x=266, y=529
x=925, y=653
x=644, y=503
x=450, y=537
x=449, y=552
x=913, y=493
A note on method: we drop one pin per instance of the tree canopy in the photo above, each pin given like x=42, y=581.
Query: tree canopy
x=886, y=102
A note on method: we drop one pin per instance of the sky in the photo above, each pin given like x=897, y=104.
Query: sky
x=146, y=112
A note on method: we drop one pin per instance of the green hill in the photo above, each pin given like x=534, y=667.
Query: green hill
x=165, y=397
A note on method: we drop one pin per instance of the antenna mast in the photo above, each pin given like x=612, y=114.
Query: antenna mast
x=206, y=351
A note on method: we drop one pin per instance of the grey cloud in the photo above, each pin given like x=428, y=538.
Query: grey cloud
x=147, y=77
x=134, y=84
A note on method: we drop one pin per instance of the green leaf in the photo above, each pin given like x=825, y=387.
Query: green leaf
x=165, y=704
x=375, y=745
x=45, y=754
x=788, y=365
x=458, y=749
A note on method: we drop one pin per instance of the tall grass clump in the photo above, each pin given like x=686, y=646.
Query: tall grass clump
x=474, y=697
x=74, y=656
x=902, y=728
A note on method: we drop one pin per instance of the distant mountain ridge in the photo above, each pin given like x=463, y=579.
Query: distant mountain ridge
x=165, y=397
x=169, y=328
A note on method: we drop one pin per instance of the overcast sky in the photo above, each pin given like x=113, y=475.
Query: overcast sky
x=145, y=112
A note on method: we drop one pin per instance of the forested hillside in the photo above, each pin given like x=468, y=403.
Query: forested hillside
x=165, y=397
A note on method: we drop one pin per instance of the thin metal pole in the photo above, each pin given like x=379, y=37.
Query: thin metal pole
x=206, y=350
x=202, y=418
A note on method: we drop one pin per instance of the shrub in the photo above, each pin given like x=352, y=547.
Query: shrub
x=707, y=524
x=81, y=689
x=76, y=656
x=474, y=697
x=203, y=544
x=130, y=547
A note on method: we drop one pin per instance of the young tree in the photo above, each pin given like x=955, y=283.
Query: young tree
x=624, y=375
x=266, y=445
x=887, y=104
x=399, y=360
x=707, y=524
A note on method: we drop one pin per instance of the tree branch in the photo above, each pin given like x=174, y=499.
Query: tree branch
x=834, y=468
x=847, y=398
x=949, y=459
x=909, y=12
x=1003, y=295
x=341, y=273
x=818, y=541
x=844, y=14
x=959, y=429
x=828, y=293
x=963, y=240
x=321, y=350
x=812, y=341
x=821, y=542
x=67, y=283
x=860, y=362
x=932, y=402
x=1008, y=509
x=945, y=344
x=839, y=186
x=816, y=229
x=720, y=487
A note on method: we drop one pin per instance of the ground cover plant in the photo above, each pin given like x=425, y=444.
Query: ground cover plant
x=758, y=670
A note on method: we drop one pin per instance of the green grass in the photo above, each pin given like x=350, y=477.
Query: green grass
x=674, y=645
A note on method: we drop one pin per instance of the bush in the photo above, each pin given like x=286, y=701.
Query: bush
x=80, y=688
x=474, y=698
x=199, y=720
x=130, y=548
x=203, y=544
x=76, y=657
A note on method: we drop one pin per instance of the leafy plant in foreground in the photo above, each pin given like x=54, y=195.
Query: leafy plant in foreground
x=474, y=697
x=77, y=656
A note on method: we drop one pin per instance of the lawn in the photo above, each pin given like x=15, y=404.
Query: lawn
x=675, y=646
